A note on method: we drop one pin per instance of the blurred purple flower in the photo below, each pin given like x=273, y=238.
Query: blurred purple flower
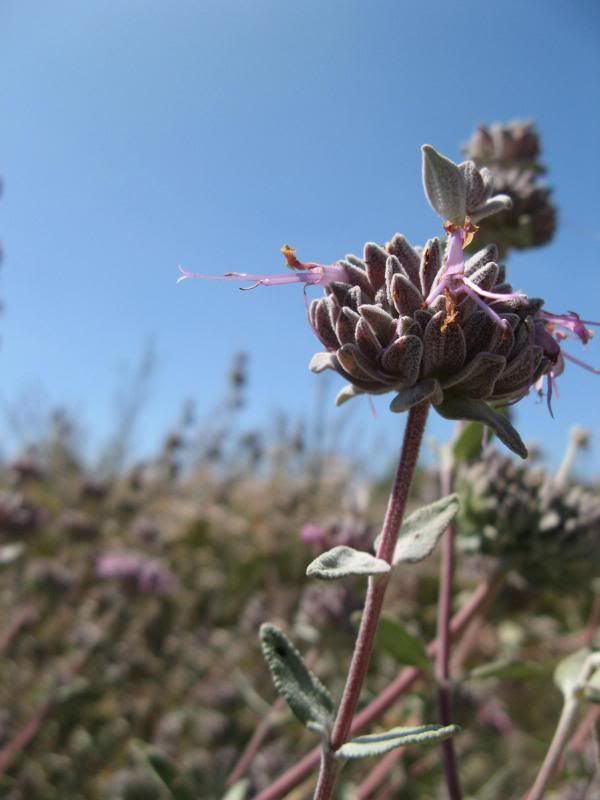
x=312, y=533
x=145, y=574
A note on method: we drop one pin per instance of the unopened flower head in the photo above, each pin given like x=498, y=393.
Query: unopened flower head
x=510, y=154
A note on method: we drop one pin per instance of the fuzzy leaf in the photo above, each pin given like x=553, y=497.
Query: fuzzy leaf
x=568, y=671
x=342, y=561
x=445, y=186
x=376, y=744
x=402, y=645
x=421, y=531
x=506, y=669
x=478, y=411
x=499, y=202
x=305, y=694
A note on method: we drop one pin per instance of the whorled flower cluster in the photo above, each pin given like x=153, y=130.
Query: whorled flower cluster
x=547, y=530
x=427, y=325
x=510, y=153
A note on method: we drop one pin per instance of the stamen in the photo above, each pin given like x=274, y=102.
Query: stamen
x=580, y=363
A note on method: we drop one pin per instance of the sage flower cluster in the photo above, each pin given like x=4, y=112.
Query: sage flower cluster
x=547, y=530
x=511, y=155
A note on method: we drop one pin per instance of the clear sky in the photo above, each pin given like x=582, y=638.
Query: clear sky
x=142, y=134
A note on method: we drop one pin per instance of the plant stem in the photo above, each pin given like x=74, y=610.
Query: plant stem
x=442, y=665
x=363, y=648
x=298, y=772
x=561, y=736
x=327, y=774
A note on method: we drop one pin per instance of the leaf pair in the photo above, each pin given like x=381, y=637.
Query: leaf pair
x=418, y=537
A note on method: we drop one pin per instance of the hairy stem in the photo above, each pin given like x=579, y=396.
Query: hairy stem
x=327, y=774
x=298, y=772
x=363, y=648
x=442, y=662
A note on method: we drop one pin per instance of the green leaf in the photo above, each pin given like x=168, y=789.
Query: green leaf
x=376, y=744
x=163, y=770
x=342, y=561
x=478, y=411
x=444, y=185
x=468, y=444
x=305, y=694
x=506, y=669
x=402, y=645
x=568, y=671
x=421, y=531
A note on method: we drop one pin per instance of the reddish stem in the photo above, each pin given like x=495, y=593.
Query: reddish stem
x=442, y=666
x=413, y=434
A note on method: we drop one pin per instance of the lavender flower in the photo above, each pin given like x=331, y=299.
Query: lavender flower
x=146, y=575
x=308, y=273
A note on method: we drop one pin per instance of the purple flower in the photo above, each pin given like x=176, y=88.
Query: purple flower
x=312, y=533
x=549, y=332
x=455, y=283
x=144, y=574
x=308, y=273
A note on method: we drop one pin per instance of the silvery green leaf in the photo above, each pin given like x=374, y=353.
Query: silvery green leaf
x=407, y=649
x=479, y=411
x=305, y=694
x=499, y=202
x=506, y=669
x=322, y=361
x=445, y=186
x=568, y=671
x=342, y=561
x=239, y=790
x=376, y=744
x=421, y=531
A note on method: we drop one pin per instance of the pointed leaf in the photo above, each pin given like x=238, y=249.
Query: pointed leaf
x=377, y=744
x=402, y=645
x=421, y=531
x=305, y=694
x=478, y=411
x=445, y=186
x=506, y=669
x=342, y=561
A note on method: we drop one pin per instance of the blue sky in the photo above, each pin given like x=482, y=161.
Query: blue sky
x=139, y=135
